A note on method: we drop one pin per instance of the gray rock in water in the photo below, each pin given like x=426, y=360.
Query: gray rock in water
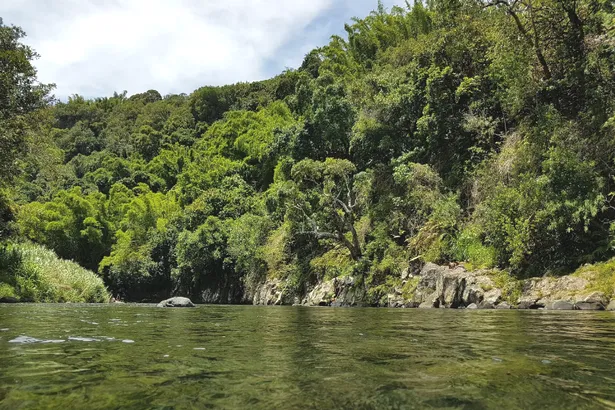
x=503, y=305
x=486, y=305
x=472, y=306
x=561, y=305
x=593, y=301
x=176, y=302
x=9, y=299
x=611, y=306
x=526, y=303
x=429, y=304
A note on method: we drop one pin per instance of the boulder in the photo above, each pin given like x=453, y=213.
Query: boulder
x=493, y=296
x=269, y=293
x=176, y=302
x=560, y=305
x=454, y=287
x=472, y=306
x=528, y=303
x=9, y=299
x=503, y=305
x=543, y=292
x=611, y=306
x=426, y=305
x=396, y=300
x=592, y=301
x=486, y=305
x=322, y=295
x=337, y=292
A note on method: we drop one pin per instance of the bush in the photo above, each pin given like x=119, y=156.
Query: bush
x=33, y=273
x=469, y=248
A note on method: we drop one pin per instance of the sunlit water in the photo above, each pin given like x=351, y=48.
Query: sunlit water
x=129, y=356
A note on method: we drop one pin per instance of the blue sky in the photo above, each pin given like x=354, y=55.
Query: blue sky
x=96, y=47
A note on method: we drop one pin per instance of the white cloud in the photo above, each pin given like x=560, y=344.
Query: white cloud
x=95, y=47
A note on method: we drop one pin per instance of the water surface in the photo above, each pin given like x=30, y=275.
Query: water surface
x=130, y=356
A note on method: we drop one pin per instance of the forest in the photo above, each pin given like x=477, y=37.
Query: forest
x=479, y=132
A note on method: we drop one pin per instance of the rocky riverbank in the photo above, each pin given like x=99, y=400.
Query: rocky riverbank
x=453, y=287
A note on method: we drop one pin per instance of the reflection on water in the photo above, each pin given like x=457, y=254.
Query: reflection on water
x=128, y=356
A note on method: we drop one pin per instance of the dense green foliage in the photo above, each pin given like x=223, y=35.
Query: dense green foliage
x=473, y=131
x=30, y=272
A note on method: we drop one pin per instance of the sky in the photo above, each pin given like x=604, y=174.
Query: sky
x=96, y=47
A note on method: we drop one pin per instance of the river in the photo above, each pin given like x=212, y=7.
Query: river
x=139, y=356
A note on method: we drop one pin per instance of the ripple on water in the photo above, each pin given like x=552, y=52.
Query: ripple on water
x=29, y=340
x=308, y=358
x=83, y=339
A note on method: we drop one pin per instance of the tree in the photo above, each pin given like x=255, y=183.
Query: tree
x=327, y=201
x=20, y=95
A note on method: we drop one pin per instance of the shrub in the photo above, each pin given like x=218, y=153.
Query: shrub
x=33, y=273
x=469, y=248
x=601, y=275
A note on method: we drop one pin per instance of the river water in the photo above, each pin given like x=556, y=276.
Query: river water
x=136, y=356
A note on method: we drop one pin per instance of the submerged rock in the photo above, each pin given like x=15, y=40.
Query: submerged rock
x=176, y=302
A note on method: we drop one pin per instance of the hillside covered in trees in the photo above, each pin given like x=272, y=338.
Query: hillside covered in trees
x=466, y=131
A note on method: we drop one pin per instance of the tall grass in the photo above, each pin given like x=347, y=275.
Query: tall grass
x=31, y=272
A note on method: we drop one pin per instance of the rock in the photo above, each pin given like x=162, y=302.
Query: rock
x=322, y=295
x=611, y=306
x=427, y=305
x=503, y=305
x=270, y=292
x=454, y=287
x=9, y=299
x=176, y=302
x=547, y=290
x=337, y=292
x=592, y=301
x=527, y=303
x=486, y=305
x=472, y=306
x=493, y=296
x=395, y=300
x=560, y=305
